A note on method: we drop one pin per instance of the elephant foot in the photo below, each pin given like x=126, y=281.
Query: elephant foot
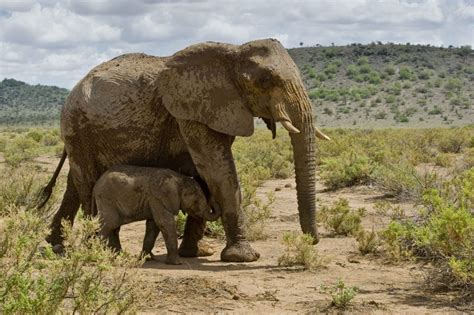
x=59, y=249
x=239, y=252
x=173, y=260
x=201, y=249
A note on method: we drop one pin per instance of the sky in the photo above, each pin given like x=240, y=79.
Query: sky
x=58, y=42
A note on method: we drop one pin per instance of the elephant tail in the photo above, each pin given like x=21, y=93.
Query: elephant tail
x=46, y=192
x=93, y=204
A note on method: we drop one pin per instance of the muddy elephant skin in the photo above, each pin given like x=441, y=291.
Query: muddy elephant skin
x=183, y=112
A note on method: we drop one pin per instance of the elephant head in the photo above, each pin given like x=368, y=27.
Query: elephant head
x=225, y=86
x=194, y=202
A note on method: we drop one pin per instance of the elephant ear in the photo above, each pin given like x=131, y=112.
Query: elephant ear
x=163, y=193
x=197, y=84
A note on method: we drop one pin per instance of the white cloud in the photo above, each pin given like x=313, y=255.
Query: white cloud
x=16, y=5
x=57, y=42
x=54, y=26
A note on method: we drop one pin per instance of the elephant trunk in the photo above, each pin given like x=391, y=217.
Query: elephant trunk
x=299, y=113
x=213, y=215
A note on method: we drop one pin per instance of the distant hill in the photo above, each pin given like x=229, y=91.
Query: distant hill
x=389, y=85
x=21, y=103
x=375, y=85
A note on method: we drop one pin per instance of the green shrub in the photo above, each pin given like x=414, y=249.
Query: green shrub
x=35, y=135
x=443, y=233
x=362, y=60
x=19, y=187
x=348, y=169
x=340, y=218
x=3, y=143
x=435, y=111
x=453, y=84
x=443, y=159
x=390, y=70
x=352, y=70
x=49, y=139
x=88, y=279
x=365, y=68
x=424, y=74
x=396, y=240
x=299, y=251
x=180, y=222
x=405, y=73
x=341, y=295
x=401, y=180
x=453, y=142
x=374, y=77
x=368, y=242
x=390, y=99
x=19, y=150
x=215, y=229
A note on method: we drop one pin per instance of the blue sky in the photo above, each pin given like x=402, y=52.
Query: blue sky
x=58, y=42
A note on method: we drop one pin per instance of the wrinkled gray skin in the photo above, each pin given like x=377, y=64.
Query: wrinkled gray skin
x=183, y=112
x=126, y=194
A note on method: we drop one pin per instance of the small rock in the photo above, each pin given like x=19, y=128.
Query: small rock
x=277, y=188
x=236, y=297
x=343, y=265
x=288, y=185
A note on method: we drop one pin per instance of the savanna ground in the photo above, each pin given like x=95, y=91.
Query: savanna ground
x=395, y=213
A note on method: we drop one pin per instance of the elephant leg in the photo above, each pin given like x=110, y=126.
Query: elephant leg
x=192, y=245
x=211, y=153
x=67, y=211
x=114, y=240
x=151, y=233
x=166, y=223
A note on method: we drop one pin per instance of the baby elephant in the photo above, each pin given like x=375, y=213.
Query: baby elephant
x=127, y=194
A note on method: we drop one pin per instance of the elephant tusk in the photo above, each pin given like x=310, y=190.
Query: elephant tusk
x=289, y=126
x=321, y=135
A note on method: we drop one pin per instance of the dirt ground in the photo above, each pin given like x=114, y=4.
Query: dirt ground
x=263, y=287
x=207, y=285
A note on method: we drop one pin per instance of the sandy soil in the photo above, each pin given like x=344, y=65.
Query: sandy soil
x=263, y=287
x=206, y=285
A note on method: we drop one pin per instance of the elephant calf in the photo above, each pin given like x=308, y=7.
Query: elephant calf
x=127, y=194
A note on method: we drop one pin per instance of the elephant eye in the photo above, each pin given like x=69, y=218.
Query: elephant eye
x=265, y=81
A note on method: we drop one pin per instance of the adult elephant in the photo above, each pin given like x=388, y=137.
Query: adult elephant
x=183, y=112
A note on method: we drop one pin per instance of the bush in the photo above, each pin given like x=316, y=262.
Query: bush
x=19, y=150
x=35, y=135
x=348, y=169
x=18, y=187
x=352, y=70
x=424, y=74
x=362, y=61
x=453, y=142
x=401, y=180
x=299, y=251
x=365, y=68
x=453, y=84
x=88, y=279
x=341, y=295
x=443, y=233
x=368, y=242
x=435, y=111
x=3, y=143
x=405, y=73
x=340, y=218
x=390, y=70
x=50, y=140
x=396, y=239
x=374, y=77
